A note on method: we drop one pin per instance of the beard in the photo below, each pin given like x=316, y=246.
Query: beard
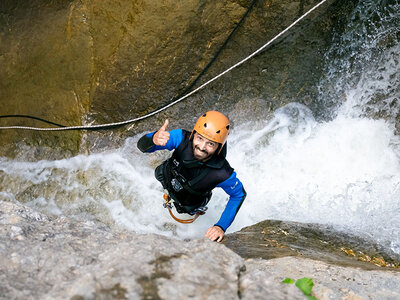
x=199, y=154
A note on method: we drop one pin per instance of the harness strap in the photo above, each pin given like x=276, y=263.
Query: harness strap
x=187, y=185
x=197, y=179
x=168, y=205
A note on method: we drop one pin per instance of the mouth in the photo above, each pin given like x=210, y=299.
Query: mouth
x=200, y=152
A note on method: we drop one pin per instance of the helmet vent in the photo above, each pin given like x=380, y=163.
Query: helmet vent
x=218, y=131
x=227, y=127
x=205, y=125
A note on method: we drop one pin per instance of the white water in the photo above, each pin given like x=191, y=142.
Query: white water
x=344, y=172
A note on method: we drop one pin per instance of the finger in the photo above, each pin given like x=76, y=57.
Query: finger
x=163, y=135
x=211, y=237
x=209, y=233
x=163, y=139
x=221, y=237
x=164, y=127
x=216, y=238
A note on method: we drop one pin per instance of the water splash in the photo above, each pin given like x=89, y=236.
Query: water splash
x=362, y=70
x=344, y=171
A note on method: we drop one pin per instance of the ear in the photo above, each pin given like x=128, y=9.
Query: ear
x=192, y=135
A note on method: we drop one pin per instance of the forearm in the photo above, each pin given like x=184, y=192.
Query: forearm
x=147, y=145
x=230, y=211
x=234, y=188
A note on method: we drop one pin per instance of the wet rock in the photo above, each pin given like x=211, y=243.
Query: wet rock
x=263, y=277
x=274, y=239
x=60, y=258
x=83, y=62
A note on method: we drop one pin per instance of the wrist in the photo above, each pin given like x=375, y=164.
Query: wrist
x=216, y=225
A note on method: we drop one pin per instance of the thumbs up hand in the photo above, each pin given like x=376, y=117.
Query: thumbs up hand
x=161, y=137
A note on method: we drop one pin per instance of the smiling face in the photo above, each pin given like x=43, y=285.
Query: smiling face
x=203, y=148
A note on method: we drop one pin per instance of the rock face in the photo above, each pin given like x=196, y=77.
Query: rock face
x=273, y=239
x=42, y=258
x=58, y=259
x=82, y=62
x=330, y=282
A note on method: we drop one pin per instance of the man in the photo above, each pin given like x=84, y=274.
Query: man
x=196, y=167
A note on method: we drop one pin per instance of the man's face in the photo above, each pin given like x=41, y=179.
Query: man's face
x=203, y=148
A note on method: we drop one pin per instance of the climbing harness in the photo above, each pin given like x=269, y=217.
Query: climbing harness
x=102, y=126
x=167, y=204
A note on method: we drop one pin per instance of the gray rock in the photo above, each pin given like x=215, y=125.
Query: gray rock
x=273, y=239
x=330, y=282
x=44, y=258
x=62, y=258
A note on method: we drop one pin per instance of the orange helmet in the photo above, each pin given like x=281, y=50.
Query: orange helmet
x=214, y=126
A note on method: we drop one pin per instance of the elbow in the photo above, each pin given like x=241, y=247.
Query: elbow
x=145, y=143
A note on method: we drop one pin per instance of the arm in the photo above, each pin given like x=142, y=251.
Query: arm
x=234, y=188
x=145, y=143
x=160, y=140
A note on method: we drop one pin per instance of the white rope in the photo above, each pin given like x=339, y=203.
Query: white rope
x=180, y=99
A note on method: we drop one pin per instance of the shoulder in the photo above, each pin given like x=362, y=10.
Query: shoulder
x=224, y=173
x=185, y=133
x=176, y=132
x=231, y=181
x=176, y=136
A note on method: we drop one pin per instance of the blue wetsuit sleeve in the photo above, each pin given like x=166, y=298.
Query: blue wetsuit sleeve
x=234, y=188
x=175, y=138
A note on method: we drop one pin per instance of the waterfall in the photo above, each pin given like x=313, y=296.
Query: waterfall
x=337, y=163
x=343, y=169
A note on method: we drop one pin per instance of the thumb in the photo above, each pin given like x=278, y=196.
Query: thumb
x=164, y=127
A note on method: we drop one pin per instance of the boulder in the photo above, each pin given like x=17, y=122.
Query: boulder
x=271, y=239
x=44, y=258
x=61, y=258
x=263, y=277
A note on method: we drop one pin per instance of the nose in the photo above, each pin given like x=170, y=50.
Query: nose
x=202, y=145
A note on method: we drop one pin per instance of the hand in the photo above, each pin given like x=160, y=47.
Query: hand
x=215, y=233
x=161, y=137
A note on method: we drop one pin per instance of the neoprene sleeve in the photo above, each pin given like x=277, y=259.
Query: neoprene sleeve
x=234, y=188
x=145, y=143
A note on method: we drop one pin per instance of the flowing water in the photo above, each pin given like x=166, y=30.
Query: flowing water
x=338, y=164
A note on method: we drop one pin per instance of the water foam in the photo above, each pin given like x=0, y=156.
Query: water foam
x=344, y=171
